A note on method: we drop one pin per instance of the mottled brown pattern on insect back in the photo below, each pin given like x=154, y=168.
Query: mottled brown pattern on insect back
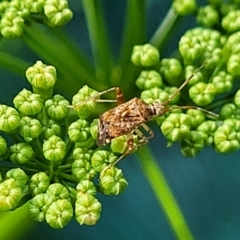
x=123, y=119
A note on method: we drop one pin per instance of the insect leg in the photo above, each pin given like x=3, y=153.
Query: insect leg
x=119, y=95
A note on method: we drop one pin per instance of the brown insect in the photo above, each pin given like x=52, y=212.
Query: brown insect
x=128, y=117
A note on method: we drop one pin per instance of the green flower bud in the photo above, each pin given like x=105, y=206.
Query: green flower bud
x=149, y=79
x=229, y=110
x=154, y=94
x=196, y=117
x=230, y=22
x=35, y=6
x=82, y=153
x=79, y=131
x=18, y=175
x=171, y=69
x=176, y=126
x=54, y=148
x=42, y=77
x=112, y=181
x=56, y=107
x=58, y=191
x=59, y=213
x=102, y=158
x=207, y=130
x=232, y=45
x=57, y=12
x=87, y=209
x=3, y=146
x=233, y=65
x=82, y=170
x=86, y=187
x=226, y=139
x=29, y=128
x=94, y=129
x=237, y=98
x=235, y=125
x=190, y=47
x=213, y=56
x=207, y=16
x=39, y=183
x=198, y=77
x=119, y=144
x=9, y=119
x=202, y=93
x=38, y=206
x=28, y=103
x=84, y=102
x=10, y=194
x=223, y=82
x=19, y=7
x=11, y=24
x=192, y=144
x=145, y=55
x=21, y=153
x=51, y=128
x=184, y=7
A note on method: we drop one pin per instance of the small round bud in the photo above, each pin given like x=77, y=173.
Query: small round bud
x=59, y=213
x=54, y=148
x=28, y=103
x=102, y=158
x=84, y=102
x=9, y=119
x=112, y=181
x=202, y=93
x=29, y=128
x=56, y=107
x=145, y=55
x=21, y=153
x=57, y=12
x=39, y=183
x=87, y=209
x=149, y=79
x=10, y=194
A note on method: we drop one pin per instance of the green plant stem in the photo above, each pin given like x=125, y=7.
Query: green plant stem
x=103, y=59
x=164, y=28
x=163, y=193
x=13, y=64
x=134, y=33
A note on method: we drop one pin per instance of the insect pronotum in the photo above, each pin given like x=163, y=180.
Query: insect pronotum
x=127, y=117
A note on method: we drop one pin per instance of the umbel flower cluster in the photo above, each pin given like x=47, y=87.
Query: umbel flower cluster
x=48, y=146
x=16, y=14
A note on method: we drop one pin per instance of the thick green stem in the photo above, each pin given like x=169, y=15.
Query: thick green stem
x=100, y=45
x=13, y=64
x=164, y=28
x=163, y=194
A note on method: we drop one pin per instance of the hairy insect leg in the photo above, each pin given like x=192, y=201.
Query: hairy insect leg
x=119, y=95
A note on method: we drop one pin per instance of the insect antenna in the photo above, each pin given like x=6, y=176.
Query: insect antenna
x=183, y=85
x=193, y=107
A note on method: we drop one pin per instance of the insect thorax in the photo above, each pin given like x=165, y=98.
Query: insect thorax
x=124, y=118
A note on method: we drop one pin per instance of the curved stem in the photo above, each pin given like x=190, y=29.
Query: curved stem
x=164, y=194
